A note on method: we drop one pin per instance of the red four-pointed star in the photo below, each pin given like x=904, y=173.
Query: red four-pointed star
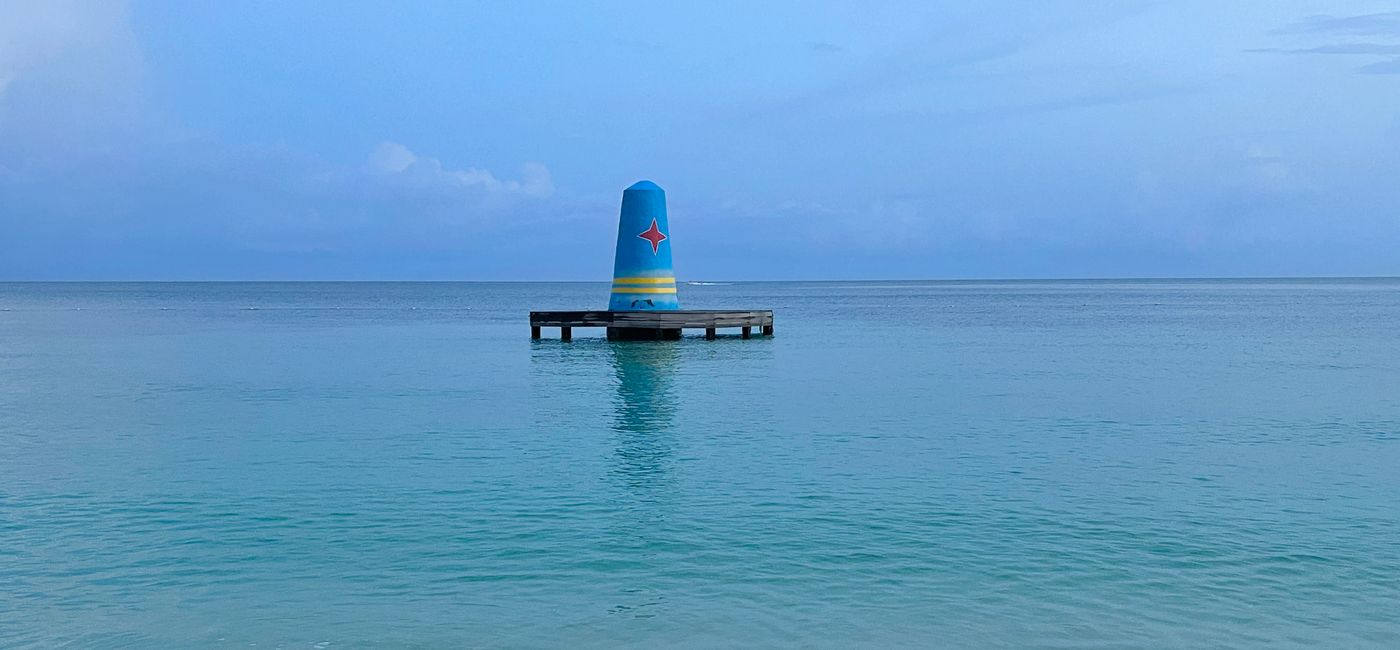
x=653, y=235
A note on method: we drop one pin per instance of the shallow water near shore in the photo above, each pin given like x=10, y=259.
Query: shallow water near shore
x=933, y=464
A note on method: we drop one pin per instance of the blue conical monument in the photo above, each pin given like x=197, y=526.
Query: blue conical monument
x=642, y=276
x=644, y=305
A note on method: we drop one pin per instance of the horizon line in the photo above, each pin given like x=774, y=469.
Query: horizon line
x=680, y=281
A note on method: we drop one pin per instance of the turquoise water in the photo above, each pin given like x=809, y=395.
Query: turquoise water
x=964, y=464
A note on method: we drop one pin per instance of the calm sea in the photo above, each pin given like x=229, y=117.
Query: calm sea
x=937, y=464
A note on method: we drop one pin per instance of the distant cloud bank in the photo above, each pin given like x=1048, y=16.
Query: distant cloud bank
x=997, y=139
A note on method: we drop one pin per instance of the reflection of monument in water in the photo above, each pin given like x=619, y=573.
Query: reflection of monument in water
x=644, y=410
x=643, y=464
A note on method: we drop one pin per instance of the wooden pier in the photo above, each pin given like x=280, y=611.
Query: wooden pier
x=660, y=325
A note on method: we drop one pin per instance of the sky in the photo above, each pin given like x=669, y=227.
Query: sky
x=425, y=140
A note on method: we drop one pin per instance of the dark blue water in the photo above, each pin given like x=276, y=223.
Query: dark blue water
x=964, y=464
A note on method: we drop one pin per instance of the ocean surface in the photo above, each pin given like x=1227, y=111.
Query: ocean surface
x=1118, y=464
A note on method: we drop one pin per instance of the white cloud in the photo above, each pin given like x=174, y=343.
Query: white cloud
x=70, y=77
x=35, y=31
x=391, y=159
x=32, y=31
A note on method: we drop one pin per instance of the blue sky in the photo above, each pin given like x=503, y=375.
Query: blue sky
x=473, y=141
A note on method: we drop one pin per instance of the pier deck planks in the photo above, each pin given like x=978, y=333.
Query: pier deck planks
x=677, y=319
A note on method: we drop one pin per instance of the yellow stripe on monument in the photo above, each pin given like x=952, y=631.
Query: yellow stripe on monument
x=645, y=290
x=643, y=280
